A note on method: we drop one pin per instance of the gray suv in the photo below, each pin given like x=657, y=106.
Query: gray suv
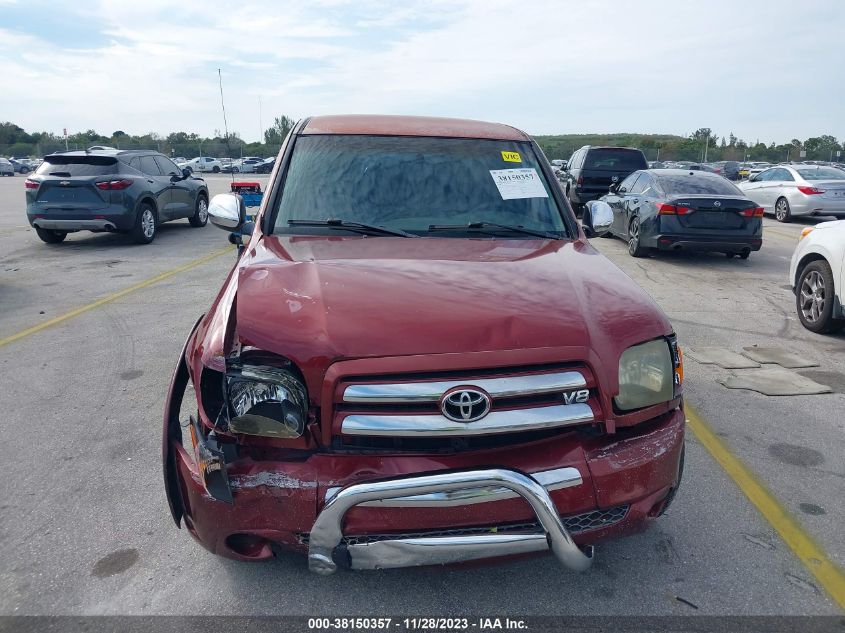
x=129, y=191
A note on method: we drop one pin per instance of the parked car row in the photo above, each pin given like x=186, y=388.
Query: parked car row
x=18, y=165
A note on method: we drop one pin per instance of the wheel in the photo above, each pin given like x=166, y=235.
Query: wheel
x=146, y=225
x=50, y=236
x=814, y=298
x=235, y=170
x=200, y=216
x=744, y=254
x=24, y=171
x=215, y=169
x=782, y=213
x=635, y=249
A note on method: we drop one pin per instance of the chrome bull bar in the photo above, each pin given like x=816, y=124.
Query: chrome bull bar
x=327, y=531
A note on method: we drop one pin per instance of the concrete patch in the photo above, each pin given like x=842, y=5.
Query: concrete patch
x=778, y=356
x=720, y=356
x=774, y=381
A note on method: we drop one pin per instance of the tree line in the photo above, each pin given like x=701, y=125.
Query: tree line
x=15, y=141
x=700, y=145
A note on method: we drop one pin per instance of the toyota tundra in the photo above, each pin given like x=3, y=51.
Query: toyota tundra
x=420, y=359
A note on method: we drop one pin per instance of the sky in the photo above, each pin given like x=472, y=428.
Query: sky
x=771, y=70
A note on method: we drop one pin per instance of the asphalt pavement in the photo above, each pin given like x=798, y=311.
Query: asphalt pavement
x=84, y=525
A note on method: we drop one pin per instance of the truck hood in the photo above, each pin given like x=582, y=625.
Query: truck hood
x=315, y=300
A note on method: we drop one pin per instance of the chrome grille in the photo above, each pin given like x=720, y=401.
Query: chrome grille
x=521, y=402
x=574, y=524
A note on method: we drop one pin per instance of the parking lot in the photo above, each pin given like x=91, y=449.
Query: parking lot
x=84, y=518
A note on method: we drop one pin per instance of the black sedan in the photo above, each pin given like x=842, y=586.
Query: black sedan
x=678, y=209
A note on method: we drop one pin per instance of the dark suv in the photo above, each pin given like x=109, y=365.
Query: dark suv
x=591, y=171
x=112, y=190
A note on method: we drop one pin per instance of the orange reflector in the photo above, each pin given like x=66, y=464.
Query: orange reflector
x=679, y=370
x=806, y=232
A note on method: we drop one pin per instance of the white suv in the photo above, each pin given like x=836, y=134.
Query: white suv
x=203, y=164
x=817, y=275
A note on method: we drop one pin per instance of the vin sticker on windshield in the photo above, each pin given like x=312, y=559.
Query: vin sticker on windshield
x=515, y=184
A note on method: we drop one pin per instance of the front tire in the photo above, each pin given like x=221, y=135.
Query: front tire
x=146, y=225
x=635, y=249
x=215, y=169
x=200, y=216
x=782, y=211
x=50, y=236
x=814, y=298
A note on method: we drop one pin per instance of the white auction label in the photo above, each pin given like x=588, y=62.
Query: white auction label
x=514, y=184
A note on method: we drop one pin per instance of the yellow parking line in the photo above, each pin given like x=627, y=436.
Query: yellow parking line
x=113, y=297
x=802, y=544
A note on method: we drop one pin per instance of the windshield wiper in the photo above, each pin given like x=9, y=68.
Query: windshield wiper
x=485, y=225
x=334, y=223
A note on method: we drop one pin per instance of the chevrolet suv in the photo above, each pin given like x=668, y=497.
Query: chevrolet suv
x=420, y=359
x=130, y=191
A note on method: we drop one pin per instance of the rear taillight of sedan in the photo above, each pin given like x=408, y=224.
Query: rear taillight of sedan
x=30, y=184
x=810, y=191
x=753, y=212
x=671, y=209
x=114, y=185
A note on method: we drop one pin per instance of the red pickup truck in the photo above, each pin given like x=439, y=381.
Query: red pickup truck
x=420, y=359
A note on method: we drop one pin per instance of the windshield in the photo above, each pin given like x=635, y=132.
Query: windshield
x=692, y=185
x=821, y=173
x=412, y=183
x=617, y=159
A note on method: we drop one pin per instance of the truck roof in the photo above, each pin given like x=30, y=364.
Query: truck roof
x=394, y=125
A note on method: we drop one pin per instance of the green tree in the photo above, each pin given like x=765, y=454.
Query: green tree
x=276, y=134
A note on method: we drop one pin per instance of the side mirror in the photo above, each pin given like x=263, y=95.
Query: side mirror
x=186, y=173
x=227, y=211
x=597, y=218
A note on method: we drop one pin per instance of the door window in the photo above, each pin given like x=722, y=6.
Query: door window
x=642, y=183
x=629, y=183
x=167, y=166
x=149, y=166
x=782, y=174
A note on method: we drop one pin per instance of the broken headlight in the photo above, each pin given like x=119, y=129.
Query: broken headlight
x=646, y=375
x=266, y=401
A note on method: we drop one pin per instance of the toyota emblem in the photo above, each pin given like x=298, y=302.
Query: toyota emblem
x=465, y=404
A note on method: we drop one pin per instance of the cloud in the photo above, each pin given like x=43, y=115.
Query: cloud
x=546, y=66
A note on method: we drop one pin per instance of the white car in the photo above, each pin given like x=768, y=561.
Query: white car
x=203, y=164
x=817, y=276
x=792, y=190
x=246, y=165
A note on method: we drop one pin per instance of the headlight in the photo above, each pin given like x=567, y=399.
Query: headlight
x=266, y=401
x=649, y=374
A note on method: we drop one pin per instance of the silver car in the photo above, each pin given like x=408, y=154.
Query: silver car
x=791, y=190
x=6, y=168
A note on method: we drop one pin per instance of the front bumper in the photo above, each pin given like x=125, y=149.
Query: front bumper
x=367, y=511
